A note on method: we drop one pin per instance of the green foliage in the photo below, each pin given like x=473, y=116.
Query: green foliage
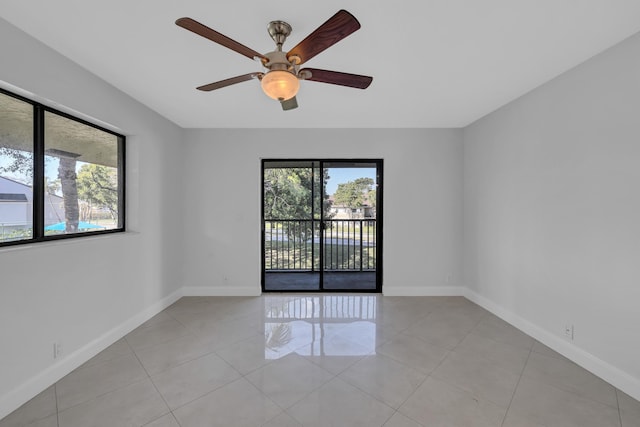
x=98, y=186
x=288, y=193
x=372, y=197
x=21, y=163
x=354, y=194
x=17, y=234
x=280, y=256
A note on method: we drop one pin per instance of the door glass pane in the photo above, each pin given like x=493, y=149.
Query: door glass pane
x=82, y=192
x=350, y=227
x=291, y=236
x=16, y=169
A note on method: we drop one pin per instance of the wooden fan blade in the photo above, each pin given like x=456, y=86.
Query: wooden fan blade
x=228, y=82
x=214, y=36
x=326, y=35
x=337, y=78
x=289, y=104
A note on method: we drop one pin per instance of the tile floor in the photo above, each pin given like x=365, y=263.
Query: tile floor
x=328, y=360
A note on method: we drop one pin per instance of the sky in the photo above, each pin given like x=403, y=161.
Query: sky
x=50, y=170
x=336, y=175
x=343, y=175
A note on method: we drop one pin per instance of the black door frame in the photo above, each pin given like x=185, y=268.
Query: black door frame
x=379, y=222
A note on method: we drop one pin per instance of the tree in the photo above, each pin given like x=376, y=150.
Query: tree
x=98, y=187
x=288, y=194
x=354, y=194
x=372, y=196
x=52, y=186
x=21, y=162
x=68, y=178
x=288, y=191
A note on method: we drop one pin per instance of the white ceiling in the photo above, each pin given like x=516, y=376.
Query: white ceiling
x=435, y=63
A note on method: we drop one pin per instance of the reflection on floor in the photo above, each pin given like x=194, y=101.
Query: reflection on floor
x=310, y=281
x=329, y=359
x=306, y=325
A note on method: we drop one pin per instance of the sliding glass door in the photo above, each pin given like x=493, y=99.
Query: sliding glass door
x=321, y=225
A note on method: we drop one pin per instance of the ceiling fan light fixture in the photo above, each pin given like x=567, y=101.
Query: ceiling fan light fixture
x=280, y=85
x=281, y=79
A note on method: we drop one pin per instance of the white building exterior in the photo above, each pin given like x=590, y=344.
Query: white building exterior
x=16, y=202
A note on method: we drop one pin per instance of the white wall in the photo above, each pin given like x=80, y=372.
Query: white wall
x=551, y=210
x=87, y=292
x=552, y=213
x=422, y=174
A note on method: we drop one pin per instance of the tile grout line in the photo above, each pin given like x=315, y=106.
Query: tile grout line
x=449, y=351
x=564, y=390
x=333, y=376
x=619, y=411
x=283, y=410
x=153, y=384
x=427, y=376
x=191, y=333
x=82, y=367
x=205, y=394
x=103, y=394
x=372, y=396
x=397, y=410
x=214, y=352
x=178, y=364
x=515, y=389
x=422, y=341
x=55, y=393
x=365, y=392
x=175, y=419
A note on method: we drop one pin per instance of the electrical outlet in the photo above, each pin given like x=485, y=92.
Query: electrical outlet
x=57, y=350
x=568, y=331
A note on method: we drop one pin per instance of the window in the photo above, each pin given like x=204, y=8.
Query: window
x=60, y=176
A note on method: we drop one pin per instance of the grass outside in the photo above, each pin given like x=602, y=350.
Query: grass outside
x=285, y=255
x=368, y=233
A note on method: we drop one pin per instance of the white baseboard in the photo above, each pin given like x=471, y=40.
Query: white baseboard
x=221, y=291
x=614, y=376
x=41, y=381
x=423, y=291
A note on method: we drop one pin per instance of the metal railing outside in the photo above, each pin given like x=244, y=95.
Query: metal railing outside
x=294, y=244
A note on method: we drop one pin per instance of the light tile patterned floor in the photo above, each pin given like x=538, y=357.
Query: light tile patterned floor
x=328, y=360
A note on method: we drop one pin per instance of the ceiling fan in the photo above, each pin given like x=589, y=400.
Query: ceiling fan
x=281, y=80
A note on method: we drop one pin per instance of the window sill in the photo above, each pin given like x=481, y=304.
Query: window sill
x=69, y=241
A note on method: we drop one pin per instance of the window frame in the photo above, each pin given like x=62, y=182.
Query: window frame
x=38, y=187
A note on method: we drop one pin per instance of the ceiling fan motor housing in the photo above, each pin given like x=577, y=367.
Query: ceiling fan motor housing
x=277, y=60
x=279, y=31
